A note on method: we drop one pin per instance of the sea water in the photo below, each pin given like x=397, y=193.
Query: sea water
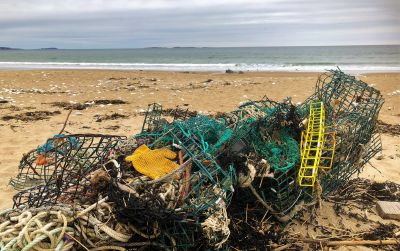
x=310, y=58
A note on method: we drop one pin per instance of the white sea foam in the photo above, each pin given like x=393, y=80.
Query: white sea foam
x=197, y=67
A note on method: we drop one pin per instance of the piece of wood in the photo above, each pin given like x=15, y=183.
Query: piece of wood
x=284, y=247
x=65, y=122
x=388, y=209
x=352, y=242
x=363, y=242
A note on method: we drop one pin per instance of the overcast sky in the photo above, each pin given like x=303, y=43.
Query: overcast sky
x=146, y=23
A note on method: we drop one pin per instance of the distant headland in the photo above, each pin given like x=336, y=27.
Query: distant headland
x=10, y=48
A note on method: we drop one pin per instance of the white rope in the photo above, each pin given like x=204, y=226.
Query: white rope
x=44, y=230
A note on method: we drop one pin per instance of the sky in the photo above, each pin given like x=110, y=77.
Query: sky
x=84, y=24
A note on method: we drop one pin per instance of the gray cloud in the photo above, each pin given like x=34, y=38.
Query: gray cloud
x=142, y=23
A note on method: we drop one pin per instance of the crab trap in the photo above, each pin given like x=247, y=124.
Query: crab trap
x=155, y=122
x=352, y=109
x=200, y=183
x=59, y=169
x=183, y=197
x=266, y=132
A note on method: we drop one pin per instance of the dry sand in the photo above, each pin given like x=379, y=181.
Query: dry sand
x=32, y=91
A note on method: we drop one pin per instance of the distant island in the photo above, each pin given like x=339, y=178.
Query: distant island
x=176, y=47
x=2, y=48
x=8, y=48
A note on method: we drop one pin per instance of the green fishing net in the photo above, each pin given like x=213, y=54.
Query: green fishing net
x=210, y=133
x=282, y=153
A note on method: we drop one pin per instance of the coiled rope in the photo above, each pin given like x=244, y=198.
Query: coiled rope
x=45, y=229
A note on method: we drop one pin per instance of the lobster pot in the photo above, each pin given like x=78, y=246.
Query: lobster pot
x=178, y=202
x=269, y=130
x=352, y=109
x=59, y=170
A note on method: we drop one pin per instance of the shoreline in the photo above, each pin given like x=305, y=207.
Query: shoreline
x=272, y=71
x=184, y=67
x=190, y=70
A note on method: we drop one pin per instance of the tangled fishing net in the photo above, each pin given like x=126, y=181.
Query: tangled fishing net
x=169, y=186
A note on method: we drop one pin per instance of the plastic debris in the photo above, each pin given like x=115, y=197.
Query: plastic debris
x=317, y=146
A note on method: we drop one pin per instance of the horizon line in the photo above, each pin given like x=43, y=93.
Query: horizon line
x=194, y=47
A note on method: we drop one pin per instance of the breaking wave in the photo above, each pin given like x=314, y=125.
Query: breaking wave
x=197, y=67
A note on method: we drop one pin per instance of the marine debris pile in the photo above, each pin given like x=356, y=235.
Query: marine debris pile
x=173, y=185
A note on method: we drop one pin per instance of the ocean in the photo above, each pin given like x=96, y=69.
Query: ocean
x=374, y=58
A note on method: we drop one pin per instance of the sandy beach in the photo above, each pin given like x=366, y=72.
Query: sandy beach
x=37, y=91
x=32, y=106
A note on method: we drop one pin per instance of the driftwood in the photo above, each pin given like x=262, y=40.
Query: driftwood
x=352, y=242
x=363, y=242
x=65, y=122
x=284, y=247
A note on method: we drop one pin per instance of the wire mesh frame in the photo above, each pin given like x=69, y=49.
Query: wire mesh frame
x=153, y=124
x=30, y=174
x=352, y=108
x=270, y=112
x=182, y=221
x=65, y=175
x=281, y=190
x=346, y=168
x=243, y=120
x=152, y=117
x=210, y=184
